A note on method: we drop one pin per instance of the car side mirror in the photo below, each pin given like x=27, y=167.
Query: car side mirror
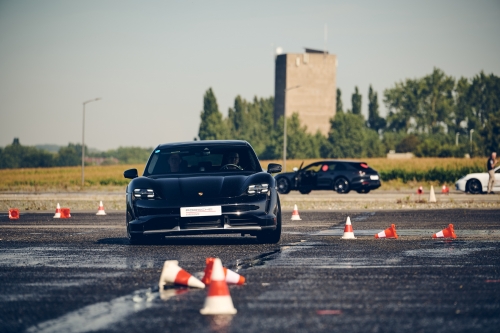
x=273, y=168
x=130, y=173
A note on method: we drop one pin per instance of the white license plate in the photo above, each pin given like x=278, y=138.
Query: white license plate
x=374, y=177
x=201, y=211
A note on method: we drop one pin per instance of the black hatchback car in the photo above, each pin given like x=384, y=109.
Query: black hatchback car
x=340, y=176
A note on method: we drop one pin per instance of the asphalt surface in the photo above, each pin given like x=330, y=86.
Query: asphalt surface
x=80, y=275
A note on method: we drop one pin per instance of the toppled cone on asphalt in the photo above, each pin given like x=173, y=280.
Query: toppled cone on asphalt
x=218, y=301
x=57, y=215
x=295, y=214
x=445, y=190
x=65, y=213
x=348, y=232
x=388, y=233
x=446, y=233
x=231, y=276
x=101, y=211
x=13, y=214
x=173, y=274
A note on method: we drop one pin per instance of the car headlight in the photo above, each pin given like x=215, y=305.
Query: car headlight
x=141, y=193
x=258, y=188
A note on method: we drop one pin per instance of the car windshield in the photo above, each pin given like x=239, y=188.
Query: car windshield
x=200, y=159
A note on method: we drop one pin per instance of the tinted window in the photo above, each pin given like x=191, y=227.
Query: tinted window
x=198, y=159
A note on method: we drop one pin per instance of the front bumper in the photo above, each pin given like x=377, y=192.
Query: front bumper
x=246, y=214
x=461, y=184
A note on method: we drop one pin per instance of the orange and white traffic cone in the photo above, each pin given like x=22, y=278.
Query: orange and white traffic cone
x=57, y=215
x=445, y=190
x=218, y=301
x=231, y=276
x=348, y=232
x=446, y=233
x=295, y=214
x=388, y=233
x=13, y=214
x=432, y=195
x=65, y=213
x=173, y=274
x=100, y=211
x=420, y=190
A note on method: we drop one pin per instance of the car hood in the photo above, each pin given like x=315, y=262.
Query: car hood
x=195, y=187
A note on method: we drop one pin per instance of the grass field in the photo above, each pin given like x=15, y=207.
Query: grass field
x=110, y=178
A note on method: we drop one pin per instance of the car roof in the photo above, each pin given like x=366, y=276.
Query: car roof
x=204, y=143
x=344, y=161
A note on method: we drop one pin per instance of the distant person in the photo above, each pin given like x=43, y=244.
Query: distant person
x=492, y=161
x=175, y=162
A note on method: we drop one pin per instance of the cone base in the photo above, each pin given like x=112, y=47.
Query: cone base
x=296, y=218
x=348, y=235
x=100, y=213
x=218, y=305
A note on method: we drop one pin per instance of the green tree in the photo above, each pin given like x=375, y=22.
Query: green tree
x=70, y=155
x=356, y=101
x=340, y=107
x=346, y=136
x=375, y=122
x=212, y=126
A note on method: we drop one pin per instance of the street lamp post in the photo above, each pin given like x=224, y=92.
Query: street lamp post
x=284, y=127
x=471, y=131
x=83, y=139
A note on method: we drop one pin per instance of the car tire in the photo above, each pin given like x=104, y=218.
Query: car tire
x=272, y=237
x=474, y=187
x=342, y=185
x=305, y=190
x=140, y=239
x=283, y=185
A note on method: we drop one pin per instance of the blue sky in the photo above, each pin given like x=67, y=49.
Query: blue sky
x=152, y=61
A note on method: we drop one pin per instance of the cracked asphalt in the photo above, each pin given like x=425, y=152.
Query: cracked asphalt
x=81, y=275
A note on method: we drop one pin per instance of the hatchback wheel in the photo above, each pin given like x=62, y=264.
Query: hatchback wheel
x=283, y=185
x=342, y=185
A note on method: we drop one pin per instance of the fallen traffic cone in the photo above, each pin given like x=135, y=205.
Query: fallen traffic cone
x=348, y=232
x=65, y=213
x=445, y=190
x=446, y=233
x=231, y=277
x=420, y=190
x=57, y=215
x=432, y=196
x=388, y=233
x=295, y=214
x=173, y=274
x=218, y=301
x=13, y=214
x=101, y=211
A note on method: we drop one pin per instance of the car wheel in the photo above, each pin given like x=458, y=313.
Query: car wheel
x=272, y=237
x=283, y=185
x=140, y=239
x=474, y=186
x=342, y=185
x=363, y=191
x=305, y=190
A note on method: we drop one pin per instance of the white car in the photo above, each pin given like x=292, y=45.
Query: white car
x=477, y=183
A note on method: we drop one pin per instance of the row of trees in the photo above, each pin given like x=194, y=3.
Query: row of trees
x=19, y=156
x=426, y=116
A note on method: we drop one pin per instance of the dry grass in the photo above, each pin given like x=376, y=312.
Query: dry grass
x=110, y=178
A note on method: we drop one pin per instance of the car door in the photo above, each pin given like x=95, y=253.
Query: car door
x=325, y=175
x=308, y=176
x=496, y=185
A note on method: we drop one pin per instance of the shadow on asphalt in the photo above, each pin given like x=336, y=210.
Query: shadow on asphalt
x=188, y=241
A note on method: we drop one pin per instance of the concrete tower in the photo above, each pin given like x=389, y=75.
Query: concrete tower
x=315, y=72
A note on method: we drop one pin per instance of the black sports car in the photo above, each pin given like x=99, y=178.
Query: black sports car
x=203, y=187
x=340, y=176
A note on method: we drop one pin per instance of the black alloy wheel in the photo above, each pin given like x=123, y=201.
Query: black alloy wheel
x=474, y=186
x=272, y=237
x=342, y=186
x=283, y=185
